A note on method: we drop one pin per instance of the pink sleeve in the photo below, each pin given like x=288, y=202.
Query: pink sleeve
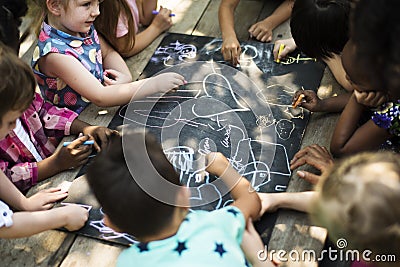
x=122, y=26
x=22, y=175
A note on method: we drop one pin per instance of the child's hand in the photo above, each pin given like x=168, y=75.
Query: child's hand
x=162, y=21
x=262, y=31
x=314, y=155
x=44, y=199
x=99, y=134
x=231, y=50
x=269, y=202
x=112, y=77
x=290, y=46
x=310, y=101
x=73, y=155
x=252, y=244
x=76, y=217
x=371, y=99
x=165, y=82
x=216, y=163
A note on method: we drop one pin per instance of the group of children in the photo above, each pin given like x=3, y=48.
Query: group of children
x=74, y=64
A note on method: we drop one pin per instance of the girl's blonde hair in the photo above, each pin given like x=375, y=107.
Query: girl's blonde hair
x=359, y=200
x=106, y=24
x=37, y=11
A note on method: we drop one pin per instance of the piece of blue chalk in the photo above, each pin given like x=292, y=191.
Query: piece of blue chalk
x=89, y=142
x=155, y=12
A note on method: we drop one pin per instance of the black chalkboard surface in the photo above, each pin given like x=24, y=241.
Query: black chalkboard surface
x=243, y=112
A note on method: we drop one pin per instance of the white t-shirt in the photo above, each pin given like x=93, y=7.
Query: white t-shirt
x=24, y=137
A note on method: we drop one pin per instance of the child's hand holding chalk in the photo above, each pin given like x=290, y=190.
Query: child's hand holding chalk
x=282, y=48
x=307, y=99
x=155, y=12
x=72, y=155
x=298, y=100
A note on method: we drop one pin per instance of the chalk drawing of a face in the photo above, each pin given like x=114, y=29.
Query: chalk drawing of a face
x=284, y=128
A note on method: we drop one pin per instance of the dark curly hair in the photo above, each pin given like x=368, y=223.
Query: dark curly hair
x=320, y=28
x=375, y=31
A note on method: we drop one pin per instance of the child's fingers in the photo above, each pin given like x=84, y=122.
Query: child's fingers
x=52, y=190
x=56, y=197
x=78, y=142
x=309, y=177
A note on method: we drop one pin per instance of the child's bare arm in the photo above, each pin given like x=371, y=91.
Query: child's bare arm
x=262, y=30
x=230, y=45
x=349, y=137
x=313, y=103
x=161, y=22
x=82, y=81
x=146, y=8
x=244, y=196
x=30, y=223
x=300, y=201
x=113, y=60
x=335, y=65
x=40, y=201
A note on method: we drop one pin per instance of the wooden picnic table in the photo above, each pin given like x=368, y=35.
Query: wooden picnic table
x=292, y=229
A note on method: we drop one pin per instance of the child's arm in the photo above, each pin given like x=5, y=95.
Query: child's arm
x=71, y=156
x=313, y=103
x=112, y=60
x=25, y=224
x=300, y=201
x=335, y=65
x=145, y=8
x=349, y=138
x=40, y=201
x=230, y=45
x=262, y=30
x=82, y=81
x=161, y=22
x=244, y=196
x=252, y=244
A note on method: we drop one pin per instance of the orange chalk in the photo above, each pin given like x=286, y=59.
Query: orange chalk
x=298, y=101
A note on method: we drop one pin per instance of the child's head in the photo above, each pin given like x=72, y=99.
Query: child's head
x=320, y=27
x=107, y=22
x=359, y=201
x=129, y=208
x=16, y=89
x=11, y=12
x=372, y=56
x=71, y=16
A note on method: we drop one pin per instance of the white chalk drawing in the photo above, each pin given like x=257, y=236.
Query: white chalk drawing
x=201, y=194
x=219, y=129
x=176, y=51
x=108, y=234
x=239, y=107
x=284, y=128
x=297, y=59
x=181, y=157
x=280, y=188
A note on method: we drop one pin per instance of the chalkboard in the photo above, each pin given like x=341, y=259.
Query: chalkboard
x=243, y=112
